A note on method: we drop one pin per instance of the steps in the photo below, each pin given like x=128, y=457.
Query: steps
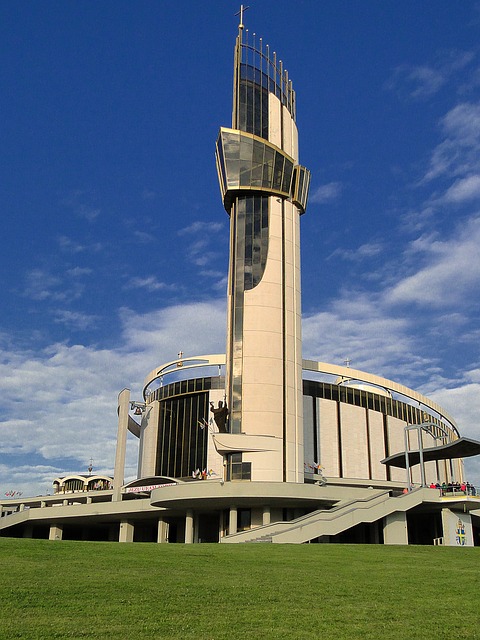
x=333, y=521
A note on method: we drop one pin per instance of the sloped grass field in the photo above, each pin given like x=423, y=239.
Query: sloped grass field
x=216, y=592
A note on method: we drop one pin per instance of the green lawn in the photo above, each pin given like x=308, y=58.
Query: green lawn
x=215, y=592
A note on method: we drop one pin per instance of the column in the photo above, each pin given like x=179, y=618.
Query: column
x=56, y=532
x=395, y=528
x=189, y=527
x=266, y=515
x=119, y=471
x=162, y=531
x=126, y=531
x=232, y=522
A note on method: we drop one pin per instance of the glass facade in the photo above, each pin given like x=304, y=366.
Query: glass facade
x=184, y=414
x=182, y=435
x=252, y=240
x=375, y=402
x=253, y=103
x=245, y=162
x=261, y=71
x=300, y=187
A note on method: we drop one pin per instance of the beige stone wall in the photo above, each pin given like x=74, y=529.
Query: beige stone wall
x=377, y=445
x=271, y=355
x=327, y=419
x=354, y=441
x=395, y=429
x=148, y=440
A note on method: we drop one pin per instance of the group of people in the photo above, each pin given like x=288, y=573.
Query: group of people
x=455, y=487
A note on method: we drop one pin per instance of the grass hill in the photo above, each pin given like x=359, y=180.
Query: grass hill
x=228, y=592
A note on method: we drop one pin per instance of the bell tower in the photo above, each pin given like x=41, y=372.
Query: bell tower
x=264, y=191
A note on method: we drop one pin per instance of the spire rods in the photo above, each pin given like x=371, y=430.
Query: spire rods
x=240, y=13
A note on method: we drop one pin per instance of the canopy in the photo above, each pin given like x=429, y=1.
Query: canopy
x=461, y=448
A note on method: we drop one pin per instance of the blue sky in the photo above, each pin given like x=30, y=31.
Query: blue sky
x=114, y=243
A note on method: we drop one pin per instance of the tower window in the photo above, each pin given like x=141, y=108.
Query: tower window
x=237, y=469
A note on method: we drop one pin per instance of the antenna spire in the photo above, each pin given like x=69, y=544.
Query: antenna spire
x=240, y=13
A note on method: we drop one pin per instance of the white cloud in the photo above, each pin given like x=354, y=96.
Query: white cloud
x=77, y=272
x=326, y=193
x=143, y=237
x=356, y=327
x=464, y=189
x=462, y=400
x=364, y=251
x=203, y=227
x=71, y=246
x=60, y=403
x=452, y=270
x=202, y=250
x=459, y=153
x=75, y=319
x=420, y=82
x=75, y=201
x=42, y=285
x=150, y=283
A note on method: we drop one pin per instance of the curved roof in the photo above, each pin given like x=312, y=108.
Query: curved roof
x=461, y=448
x=345, y=373
x=349, y=373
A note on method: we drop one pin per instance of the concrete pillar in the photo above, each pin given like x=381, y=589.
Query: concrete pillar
x=120, y=453
x=395, y=528
x=266, y=515
x=189, y=527
x=89, y=500
x=149, y=439
x=21, y=507
x=232, y=521
x=65, y=503
x=162, y=531
x=126, y=531
x=43, y=504
x=56, y=532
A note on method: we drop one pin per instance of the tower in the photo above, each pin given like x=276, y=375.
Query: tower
x=264, y=191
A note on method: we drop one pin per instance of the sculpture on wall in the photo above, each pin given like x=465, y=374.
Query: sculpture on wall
x=220, y=415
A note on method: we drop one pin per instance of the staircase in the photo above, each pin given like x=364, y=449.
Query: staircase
x=333, y=521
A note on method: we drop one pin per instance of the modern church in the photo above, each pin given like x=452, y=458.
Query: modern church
x=259, y=445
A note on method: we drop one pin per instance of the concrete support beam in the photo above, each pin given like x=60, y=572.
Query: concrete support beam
x=266, y=515
x=395, y=529
x=119, y=470
x=162, y=531
x=56, y=532
x=189, y=527
x=232, y=521
x=126, y=531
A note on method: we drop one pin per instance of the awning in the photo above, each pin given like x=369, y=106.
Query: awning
x=461, y=448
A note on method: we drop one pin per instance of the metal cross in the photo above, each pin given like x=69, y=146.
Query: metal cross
x=240, y=13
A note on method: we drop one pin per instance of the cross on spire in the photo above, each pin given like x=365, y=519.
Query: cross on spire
x=240, y=13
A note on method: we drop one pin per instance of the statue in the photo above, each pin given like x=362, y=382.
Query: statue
x=220, y=415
